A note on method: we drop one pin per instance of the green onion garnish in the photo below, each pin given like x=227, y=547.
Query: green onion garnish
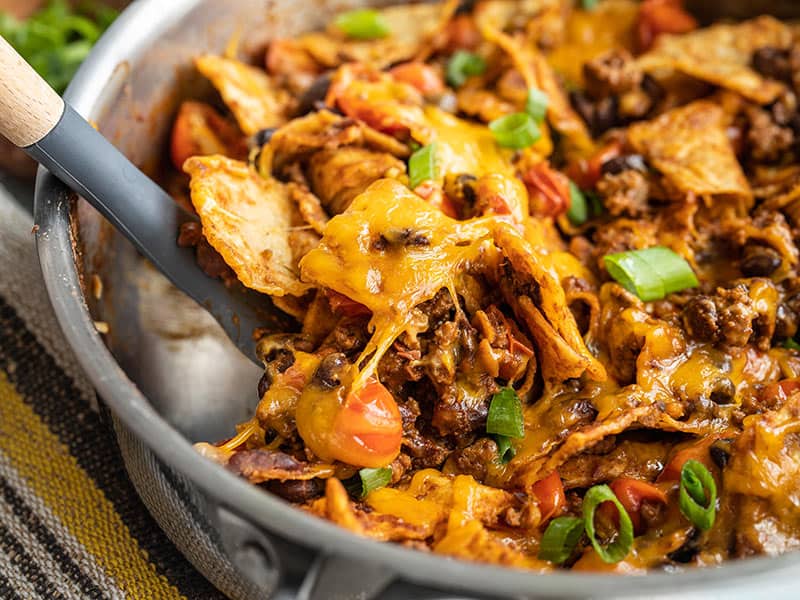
x=651, y=273
x=578, y=212
x=791, y=344
x=362, y=24
x=505, y=451
x=698, y=494
x=588, y=4
x=536, y=104
x=560, y=538
x=422, y=165
x=517, y=131
x=619, y=548
x=463, y=65
x=505, y=414
x=372, y=479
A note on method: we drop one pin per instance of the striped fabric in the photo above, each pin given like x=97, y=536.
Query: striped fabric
x=71, y=522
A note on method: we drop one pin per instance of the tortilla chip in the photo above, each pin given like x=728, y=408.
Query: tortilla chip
x=249, y=92
x=690, y=147
x=721, y=55
x=247, y=219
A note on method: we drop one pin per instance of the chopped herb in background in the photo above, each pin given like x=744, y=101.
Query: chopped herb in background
x=57, y=39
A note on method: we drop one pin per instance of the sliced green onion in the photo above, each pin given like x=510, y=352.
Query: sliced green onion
x=791, y=344
x=698, y=494
x=536, y=104
x=560, y=538
x=619, y=548
x=588, y=4
x=505, y=414
x=463, y=65
x=517, y=131
x=505, y=451
x=362, y=24
x=422, y=165
x=372, y=479
x=578, y=212
x=651, y=273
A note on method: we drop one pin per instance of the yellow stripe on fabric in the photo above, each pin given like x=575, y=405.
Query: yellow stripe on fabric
x=55, y=476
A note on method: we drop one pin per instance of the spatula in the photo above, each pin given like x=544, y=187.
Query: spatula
x=36, y=119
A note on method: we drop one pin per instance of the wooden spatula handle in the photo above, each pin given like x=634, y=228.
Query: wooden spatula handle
x=29, y=108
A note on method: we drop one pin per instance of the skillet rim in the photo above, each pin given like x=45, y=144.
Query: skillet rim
x=134, y=32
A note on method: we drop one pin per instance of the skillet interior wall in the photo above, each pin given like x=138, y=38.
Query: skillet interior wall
x=174, y=352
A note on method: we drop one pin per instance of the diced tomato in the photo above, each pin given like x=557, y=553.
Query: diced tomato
x=586, y=172
x=199, y=130
x=342, y=305
x=377, y=98
x=631, y=493
x=550, y=493
x=367, y=430
x=778, y=393
x=548, y=189
x=661, y=16
x=420, y=75
x=462, y=34
x=699, y=451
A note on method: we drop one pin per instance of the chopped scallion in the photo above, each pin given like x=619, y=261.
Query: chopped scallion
x=536, y=104
x=362, y=24
x=619, y=548
x=372, y=479
x=560, y=538
x=588, y=4
x=791, y=344
x=422, y=165
x=698, y=494
x=505, y=414
x=517, y=130
x=578, y=212
x=505, y=451
x=463, y=65
x=651, y=273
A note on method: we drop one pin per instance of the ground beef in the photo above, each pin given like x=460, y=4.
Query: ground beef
x=767, y=140
x=297, y=491
x=725, y=318
x=613, y=72
x=624, y=193
x=475, y=459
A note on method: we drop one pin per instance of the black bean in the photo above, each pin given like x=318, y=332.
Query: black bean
x=700, y=318
x=724, y=391
x=315, y=94
x=652, y=88
x=759, y=261
x=786, y=322
x=466, y=7
x=263, y=384
x=626, y=162
x=720, y=456
x=772, y=62
x=297, y=491
x=264, y=136
x=688, y=551
x=327, y=374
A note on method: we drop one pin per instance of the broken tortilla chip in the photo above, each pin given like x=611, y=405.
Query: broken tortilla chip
x=721, y=55
x=690, y=147
x=249, y=92
x=247, y=219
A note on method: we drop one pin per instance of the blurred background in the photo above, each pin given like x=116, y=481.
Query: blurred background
x=54, y=36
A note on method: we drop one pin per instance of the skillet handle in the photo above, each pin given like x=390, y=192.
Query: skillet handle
x=29, y=108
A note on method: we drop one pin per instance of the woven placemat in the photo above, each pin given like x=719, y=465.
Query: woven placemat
x=71, y=522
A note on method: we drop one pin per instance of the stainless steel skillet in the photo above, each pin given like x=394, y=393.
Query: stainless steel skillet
x=173, y=380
